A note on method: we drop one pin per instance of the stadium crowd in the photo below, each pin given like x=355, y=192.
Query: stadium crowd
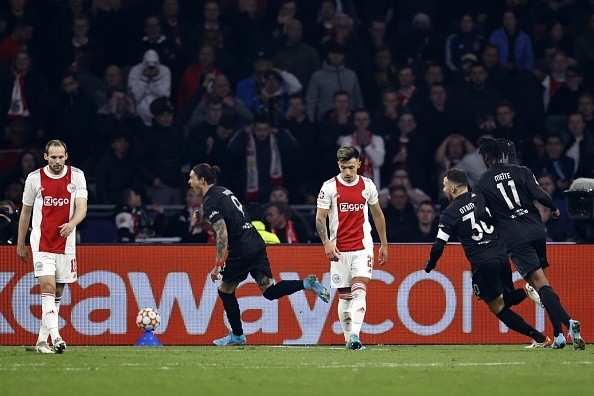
x=142, y=90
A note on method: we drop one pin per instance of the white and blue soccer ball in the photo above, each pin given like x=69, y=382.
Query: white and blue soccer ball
x=148, y=319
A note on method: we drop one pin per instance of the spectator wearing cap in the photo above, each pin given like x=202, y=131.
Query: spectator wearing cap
x=466, y=41
x=295, y=56
x=200, y=74
x=148, y=81
x=419, y=45
x=333, y=76
x=116, y=171
x=515, y=46
x=159, y=155
x=250, y=87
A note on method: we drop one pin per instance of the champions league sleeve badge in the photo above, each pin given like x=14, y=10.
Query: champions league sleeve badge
x=71, y=187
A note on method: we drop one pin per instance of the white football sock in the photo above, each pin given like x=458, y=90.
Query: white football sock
x=49, y=313
x=359, y=306
x=344, y=313
x=43, y=331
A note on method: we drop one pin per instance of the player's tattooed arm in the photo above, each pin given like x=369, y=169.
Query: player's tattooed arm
x=220, y=229
x=321, y=229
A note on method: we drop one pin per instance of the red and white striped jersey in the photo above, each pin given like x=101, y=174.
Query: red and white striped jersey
x=348, y=214
x=52, y=198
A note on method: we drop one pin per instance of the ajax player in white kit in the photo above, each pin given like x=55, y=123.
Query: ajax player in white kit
x=56, y=196
x=346, y=200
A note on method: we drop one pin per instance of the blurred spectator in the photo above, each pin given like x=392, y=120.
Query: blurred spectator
x=200, y=74
x=436, y=120
x=400, y=214
x=559, y=229
x=250, y=87
x=408, y=149
x=211, y=22
x=333, y=76
x=420, y=44
x=425, y=229
x=474, y=101
x=155, y=40
x=565, y=100
x=324, y=28
x=466, y=41
x=286, y=13
x=408, y=95
x=586, y=108
x=9, y=223
x=273, y=100
x=375, y=36
x=133, y=221
x=515, y=46
x=177, y=31
x=295, y=56
x=370, y=146
x=28, y=94
x=400, y=178
x=262, y=146
x=299, y=172
x=559, y=165
x=16, y=42
x=67, y=52
x=148, y=81
x=554, y=80
x=385, y=76
x=13, y=191
x=288, y=230
x=512, y=129
x=28, y=162
x=118, y=115
x=232, y=106
x=583, y=50
x=557, y=38
x=226, y=62
x=17, y=138
x=498, y=76
x=256, y=214
x=116, y=171
x=159, y=155
x=385, y=120
x=182, y=224
x=71, y=118
x=472, y=163
x=447, y=156
x=580, y=147
x=112, y=77
x=196, y=140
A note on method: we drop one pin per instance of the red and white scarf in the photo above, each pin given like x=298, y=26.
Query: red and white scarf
x=19, y=108
x=276, y=169
x=290, y=232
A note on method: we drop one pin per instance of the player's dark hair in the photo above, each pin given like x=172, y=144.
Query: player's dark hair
x=457, y=176
x=209, y=173
x=55, y=142
x=489, y=147
x=346, y=153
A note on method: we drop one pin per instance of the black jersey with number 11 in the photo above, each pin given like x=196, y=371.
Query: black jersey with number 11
x=221, y=203
x=509, y=192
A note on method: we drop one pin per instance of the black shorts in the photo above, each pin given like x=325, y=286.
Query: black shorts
x=491, y=279
x=529, y=256
x=237, y=269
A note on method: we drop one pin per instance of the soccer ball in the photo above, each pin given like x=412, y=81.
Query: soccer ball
x=148, y=319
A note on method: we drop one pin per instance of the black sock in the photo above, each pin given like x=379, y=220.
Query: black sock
x=283, y=288
x=232, y=310
x=514, y=297
x=518, y=324
x=551, y=301
x=556, y=323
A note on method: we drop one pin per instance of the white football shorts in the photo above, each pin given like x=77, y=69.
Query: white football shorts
x=350, y=265
x=62, y=266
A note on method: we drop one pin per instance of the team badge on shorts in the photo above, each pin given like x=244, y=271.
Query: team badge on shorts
x=71, y=187
x=336, y=278
x=38, y=266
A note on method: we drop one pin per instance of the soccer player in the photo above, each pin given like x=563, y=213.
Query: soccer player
x=237, y=238
x=56, y=197
x=509, y=192
x=491, y=273
x=346, y=200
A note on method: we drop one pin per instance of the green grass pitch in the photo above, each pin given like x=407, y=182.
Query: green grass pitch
x=284, y=371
